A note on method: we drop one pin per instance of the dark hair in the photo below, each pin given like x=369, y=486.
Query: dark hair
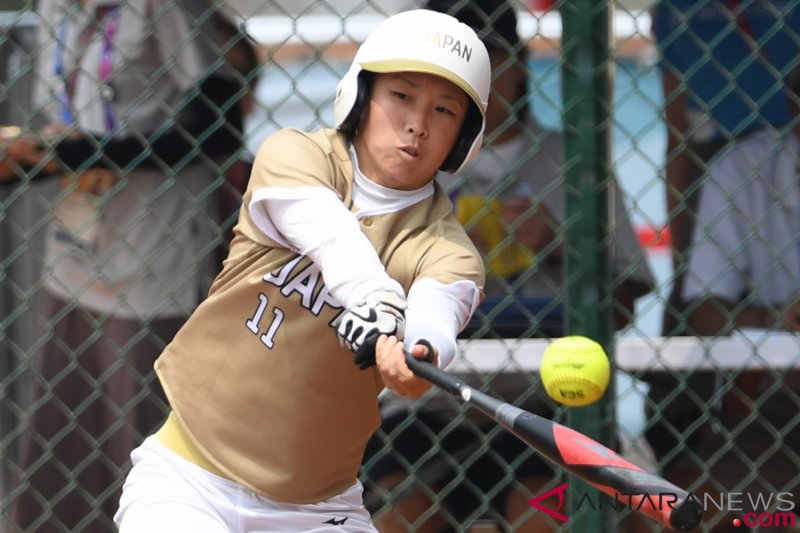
x=236, y=40
x=793, y=87
x=495, y=22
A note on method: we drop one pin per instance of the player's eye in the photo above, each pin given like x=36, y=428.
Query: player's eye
x=400, y=95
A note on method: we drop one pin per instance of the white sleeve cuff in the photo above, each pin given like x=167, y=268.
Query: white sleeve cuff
x=438, y=312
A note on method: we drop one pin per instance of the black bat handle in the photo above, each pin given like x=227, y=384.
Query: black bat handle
x=438, y=377
x=504, y=413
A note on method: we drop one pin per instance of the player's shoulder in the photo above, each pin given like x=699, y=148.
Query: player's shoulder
x=443, y=228
x=296, y=145
x=551, y=144
x=545, y=138
x=326, y=139
x=735, y=165
x=433, y=218
x=543, y=165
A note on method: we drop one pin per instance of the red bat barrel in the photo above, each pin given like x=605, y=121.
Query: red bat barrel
x=579, y=455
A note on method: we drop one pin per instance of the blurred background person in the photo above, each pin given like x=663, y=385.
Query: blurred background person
x=511, y=199
x=129, y=251
x=17, y=153
x=195, y=131
x=744, y=276
x=722, y=68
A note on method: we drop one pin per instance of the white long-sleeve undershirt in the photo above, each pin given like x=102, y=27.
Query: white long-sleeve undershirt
x=314, y=222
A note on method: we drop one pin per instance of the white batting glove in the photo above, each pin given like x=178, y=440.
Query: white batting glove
x=380, y=313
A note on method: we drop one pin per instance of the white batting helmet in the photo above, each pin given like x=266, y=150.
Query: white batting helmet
x=425, y=41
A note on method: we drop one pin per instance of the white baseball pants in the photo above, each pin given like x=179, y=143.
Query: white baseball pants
x=165, y=493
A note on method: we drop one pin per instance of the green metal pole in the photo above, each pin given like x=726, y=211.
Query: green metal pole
x=587, y=90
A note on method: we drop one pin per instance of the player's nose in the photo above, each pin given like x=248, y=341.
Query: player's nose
x=417, y=123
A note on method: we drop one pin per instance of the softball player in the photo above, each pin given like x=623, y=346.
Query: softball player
x=345, y=235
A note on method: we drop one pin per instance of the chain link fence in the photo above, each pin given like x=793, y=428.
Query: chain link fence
x=641, y=189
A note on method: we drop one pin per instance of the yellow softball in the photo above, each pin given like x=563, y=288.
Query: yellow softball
x=575, y=371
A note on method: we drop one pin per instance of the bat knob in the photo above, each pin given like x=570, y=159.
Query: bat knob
x=364, y=356
x=687, y=514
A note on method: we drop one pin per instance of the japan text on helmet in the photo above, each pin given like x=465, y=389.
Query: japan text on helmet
x=429, y=42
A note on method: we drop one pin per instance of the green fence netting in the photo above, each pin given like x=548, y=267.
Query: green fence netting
x=638, y=184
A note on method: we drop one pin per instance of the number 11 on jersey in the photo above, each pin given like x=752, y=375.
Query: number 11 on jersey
x=267, y=338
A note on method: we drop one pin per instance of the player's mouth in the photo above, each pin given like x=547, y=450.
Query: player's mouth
x=410, y=152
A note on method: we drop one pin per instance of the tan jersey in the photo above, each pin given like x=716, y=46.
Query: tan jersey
x=257, y=376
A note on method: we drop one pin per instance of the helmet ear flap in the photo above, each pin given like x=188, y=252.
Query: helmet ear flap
x=468, y=140
x=363, y=89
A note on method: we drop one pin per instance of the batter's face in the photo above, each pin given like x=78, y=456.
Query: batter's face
x=409, y=126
